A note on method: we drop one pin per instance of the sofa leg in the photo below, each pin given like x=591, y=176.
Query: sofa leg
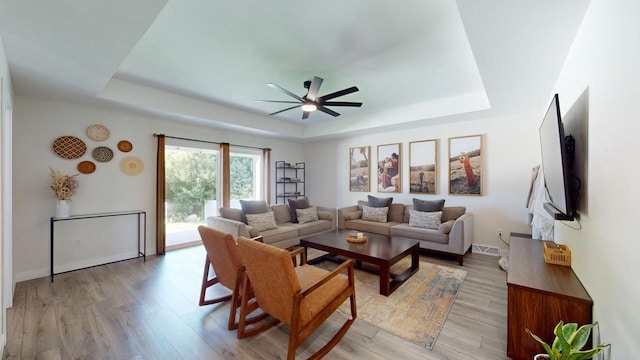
x=460, y=257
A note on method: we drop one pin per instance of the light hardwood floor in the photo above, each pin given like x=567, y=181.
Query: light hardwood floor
x=149, y=310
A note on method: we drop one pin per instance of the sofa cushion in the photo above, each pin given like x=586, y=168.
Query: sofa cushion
x=452, y=212
x=325, y=215
x=253, y=207
x=445, y=227
x=352, y=215
x=404, y=230
x=370, y=226
x=295, y=204
x=362, y=203
x=253, y=231
x=423, y=219
x=312, y=228
x=428, y=205
x=281, y=233
x=396, y=212
x=377, y=214
x=231, y=214
x=264, y=221
x=281, y=213
x=307, y=215
x=379, y=202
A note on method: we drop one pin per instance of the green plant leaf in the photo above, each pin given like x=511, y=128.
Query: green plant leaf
x=587, y=354
x=563, y=345
x=579, y=338
x=546, y=347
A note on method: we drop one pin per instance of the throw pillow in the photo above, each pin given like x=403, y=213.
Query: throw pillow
x=295, y=204
x=262, y=222
x=253, y=207
x=428, y=205
x=427, y=220
x=379, y=202
x=377, y=214
x=307, y=215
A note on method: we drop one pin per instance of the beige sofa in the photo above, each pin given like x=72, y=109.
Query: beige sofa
x=286, y=233
x=454, y=236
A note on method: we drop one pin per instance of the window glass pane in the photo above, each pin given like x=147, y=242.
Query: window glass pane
x=190, y=191
x=246, y=176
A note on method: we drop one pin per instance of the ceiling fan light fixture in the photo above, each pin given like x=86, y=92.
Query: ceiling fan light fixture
x=309, y=106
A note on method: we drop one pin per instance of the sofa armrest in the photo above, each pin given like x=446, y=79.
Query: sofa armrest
x=333, y=212
x=343, y=211
x=233, y=227
x=461, y=235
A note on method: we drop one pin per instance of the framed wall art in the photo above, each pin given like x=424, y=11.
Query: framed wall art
x=389, y=165
x=423, y=167
x=359, y=170
x=465, y=165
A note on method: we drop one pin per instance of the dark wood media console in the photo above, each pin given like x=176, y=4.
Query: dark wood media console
x=539, y=296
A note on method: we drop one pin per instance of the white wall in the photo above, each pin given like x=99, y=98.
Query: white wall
x=511, y=149
x=604, y=60
x=6, y=275
x=40, y=121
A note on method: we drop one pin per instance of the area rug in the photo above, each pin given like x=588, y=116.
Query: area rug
x=417, y=310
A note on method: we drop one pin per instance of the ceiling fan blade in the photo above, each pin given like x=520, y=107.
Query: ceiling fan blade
x=314, y=88
x=279, y=101
x=305, y=115
x=338, y=93
x=328, y=111
x=342, y=103
x=283, y=110
x=274, y=86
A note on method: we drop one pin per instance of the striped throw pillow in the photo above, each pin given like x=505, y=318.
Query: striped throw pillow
x=262, y=222
x=377, y=214
x=427, y=220
x=307, y=215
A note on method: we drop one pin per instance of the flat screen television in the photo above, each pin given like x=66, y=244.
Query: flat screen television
x=556, y=159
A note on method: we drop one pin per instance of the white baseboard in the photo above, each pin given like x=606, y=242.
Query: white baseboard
x=485, y=249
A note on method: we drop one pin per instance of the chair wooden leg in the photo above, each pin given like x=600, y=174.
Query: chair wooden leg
x=248, y=304
x=206, y=283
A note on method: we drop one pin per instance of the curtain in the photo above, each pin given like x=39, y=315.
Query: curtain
x=266, y=165
x=225, y=168
x=160, y=198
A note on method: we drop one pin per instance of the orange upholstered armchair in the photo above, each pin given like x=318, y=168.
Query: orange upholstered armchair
x=302, y=297
x=223, y=255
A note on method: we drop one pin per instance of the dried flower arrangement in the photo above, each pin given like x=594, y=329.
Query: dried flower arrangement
x=63, y=186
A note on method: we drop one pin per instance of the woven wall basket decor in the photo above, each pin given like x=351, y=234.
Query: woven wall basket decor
x=86, y=167
x=125, y=146
x=131, y=165
x=102, y=154
x=97, y=132
x=69, y=147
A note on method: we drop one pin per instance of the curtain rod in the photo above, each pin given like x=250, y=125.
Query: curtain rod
x=211, y=142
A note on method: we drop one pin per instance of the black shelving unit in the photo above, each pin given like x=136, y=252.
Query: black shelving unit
x=289, y=181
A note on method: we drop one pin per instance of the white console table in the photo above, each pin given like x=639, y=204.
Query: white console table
x=142, y=231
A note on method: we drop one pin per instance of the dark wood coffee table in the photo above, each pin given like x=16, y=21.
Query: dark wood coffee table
x=380, y=250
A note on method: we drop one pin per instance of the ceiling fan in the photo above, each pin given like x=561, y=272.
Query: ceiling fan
x=311, y=101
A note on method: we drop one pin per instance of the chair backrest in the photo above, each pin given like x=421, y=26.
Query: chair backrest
x=272, y=275
x=223, y=254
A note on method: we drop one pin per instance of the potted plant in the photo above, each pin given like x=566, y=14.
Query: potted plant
x=568, y=342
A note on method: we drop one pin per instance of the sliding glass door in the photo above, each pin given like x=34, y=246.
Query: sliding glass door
x=191, y=192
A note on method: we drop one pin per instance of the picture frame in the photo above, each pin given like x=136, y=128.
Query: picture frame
x=465, y=165
x=423, y=167
x=389, y=167
x=359, y=169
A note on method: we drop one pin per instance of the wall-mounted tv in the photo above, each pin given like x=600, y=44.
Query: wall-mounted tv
x=556, y=160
